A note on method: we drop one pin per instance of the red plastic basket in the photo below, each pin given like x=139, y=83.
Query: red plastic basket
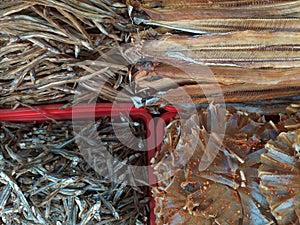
x=155, y=133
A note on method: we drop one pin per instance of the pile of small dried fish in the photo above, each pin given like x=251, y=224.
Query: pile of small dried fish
x=45, y=180
x=229, y=191
x=43, y=43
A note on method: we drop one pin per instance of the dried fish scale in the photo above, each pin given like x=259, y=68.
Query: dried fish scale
x=227, y=191
x=280, y=177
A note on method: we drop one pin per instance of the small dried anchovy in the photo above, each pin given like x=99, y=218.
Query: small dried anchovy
x=44, y=178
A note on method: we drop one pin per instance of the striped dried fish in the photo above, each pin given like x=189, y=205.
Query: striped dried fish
x=226, y=25
x=235, y=67
x=200, y=9
x=238, y=49
x=197, y=16
x=180, y=83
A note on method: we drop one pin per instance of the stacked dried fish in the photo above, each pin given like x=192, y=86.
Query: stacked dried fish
x=50, y=47
x=198, y=16
x=45, y=180
x=280, y=170
x=280, y=177
x=236, y=67
x=227, y=192
x=42, y=41
x=247, y=50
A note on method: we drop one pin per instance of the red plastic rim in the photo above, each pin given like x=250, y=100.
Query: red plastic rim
x=55, y=111
x=159, y=128
x=172, y=109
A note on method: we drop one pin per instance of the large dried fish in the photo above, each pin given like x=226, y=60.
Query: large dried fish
x=199, y=9
x=235, y=67
x=238, y=49
x=220, y=16
x=199, y=84
x=203, y=26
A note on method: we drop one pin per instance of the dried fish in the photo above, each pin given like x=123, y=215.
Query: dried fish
x=227, y=192
x=44, y=179
x=236, y=84
x=199, y=9
x=41, y=43
x=242, y=49
x=235, y=67
x=219, y=16
x=280, y=177
x=226, y=25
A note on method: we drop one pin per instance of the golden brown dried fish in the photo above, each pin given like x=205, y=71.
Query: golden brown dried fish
x=241, y=49
x=227, y=25
x=235, y=67
x=199, y=9
x=197, y=16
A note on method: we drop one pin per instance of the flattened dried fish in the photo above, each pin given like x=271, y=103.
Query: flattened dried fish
x=280, y=177
x=227, y=191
